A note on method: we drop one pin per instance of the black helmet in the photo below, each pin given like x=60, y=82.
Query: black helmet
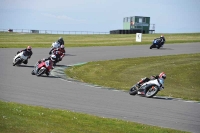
x=60, y=38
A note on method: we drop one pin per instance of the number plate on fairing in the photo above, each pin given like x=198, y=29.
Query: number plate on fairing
x=47, y=63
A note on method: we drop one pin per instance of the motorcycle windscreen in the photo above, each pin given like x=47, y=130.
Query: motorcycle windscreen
x=161, y=80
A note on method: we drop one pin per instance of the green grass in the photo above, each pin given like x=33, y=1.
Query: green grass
x=19, y=118
x=182, y=73
x=120, y=74
x=16, y=40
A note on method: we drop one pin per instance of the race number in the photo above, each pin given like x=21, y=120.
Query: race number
x=47, y=63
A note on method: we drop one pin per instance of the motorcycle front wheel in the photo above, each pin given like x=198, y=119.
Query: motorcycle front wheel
x=133, y=90
x=17, y=61
x=32, y=72
x=152, y=91
x=40, y=72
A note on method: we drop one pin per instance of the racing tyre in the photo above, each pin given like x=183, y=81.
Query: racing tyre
x=40, y=72
x=133, y=90
x=33, y=73
x=16, y=61
x=152, y=91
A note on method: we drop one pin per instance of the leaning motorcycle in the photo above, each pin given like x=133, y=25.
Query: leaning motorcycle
x=148, y=89
x=155, y=44
x=20, y=58
x=44, y=67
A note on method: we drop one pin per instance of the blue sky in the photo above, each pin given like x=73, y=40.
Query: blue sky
x=169, y=16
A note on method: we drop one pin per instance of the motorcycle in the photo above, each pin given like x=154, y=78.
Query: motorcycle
x=44, y=67
x=58, y=55
x=53, y=46
x=157, y=43
x=148, y=89
x=20, y=58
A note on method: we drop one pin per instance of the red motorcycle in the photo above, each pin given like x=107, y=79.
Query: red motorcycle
x=44, y=67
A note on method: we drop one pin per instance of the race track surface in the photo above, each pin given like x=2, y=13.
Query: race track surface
x=18, y=85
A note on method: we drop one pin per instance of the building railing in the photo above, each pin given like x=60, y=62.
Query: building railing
x=51, y=31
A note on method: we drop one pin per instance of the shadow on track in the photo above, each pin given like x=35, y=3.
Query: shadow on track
x=44, y=76
x=163, y=98
x=166, y=49
x=69, y=55
x=162, y=49
x=158, y=97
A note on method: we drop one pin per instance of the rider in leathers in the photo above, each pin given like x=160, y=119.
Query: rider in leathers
x=28, y=51
x=59, y=52
x=52, y=58
x=144, y=80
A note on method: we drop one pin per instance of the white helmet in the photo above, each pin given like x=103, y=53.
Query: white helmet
x=62, y=46
x=53, y=57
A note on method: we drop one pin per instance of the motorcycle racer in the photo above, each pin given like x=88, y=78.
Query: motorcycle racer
x=28, y=51
x=162, y=40
x=52, y=58
x=61, y=41
x=162, y=75
x=59, y=52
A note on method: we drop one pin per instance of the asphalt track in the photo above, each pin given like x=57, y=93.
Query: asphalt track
x=18, y=85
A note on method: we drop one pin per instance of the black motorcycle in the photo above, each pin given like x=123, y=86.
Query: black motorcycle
x=157, y=43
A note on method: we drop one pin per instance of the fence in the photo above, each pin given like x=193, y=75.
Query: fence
x=51, y=31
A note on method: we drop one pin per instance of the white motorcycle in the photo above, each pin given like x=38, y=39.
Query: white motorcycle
x=20, y=58
x=54, y=45
x=148, y=89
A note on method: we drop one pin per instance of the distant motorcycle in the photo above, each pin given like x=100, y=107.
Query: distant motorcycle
x=148, y=89
x=155, y=44
x=53, y=46
x=44, y=67
x=20, y=58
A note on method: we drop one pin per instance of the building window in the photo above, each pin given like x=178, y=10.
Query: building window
x=140, y=20
x=144, y=20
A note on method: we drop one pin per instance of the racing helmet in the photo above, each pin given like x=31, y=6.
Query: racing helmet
x=162, y=75
x=29, y=48
x=53, y=57
x=60, y=38
x=161, y=36
x=62, y=46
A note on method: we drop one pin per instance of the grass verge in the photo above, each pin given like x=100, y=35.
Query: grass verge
x=18, y=40
x=182, y=73
x=19, y=118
